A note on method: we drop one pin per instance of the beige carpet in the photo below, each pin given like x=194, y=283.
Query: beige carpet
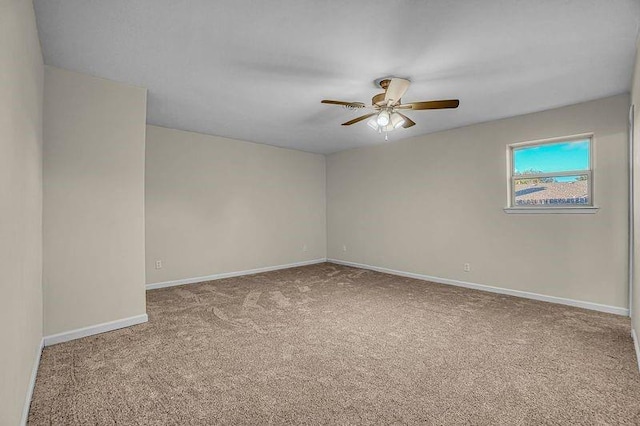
x=337, y=345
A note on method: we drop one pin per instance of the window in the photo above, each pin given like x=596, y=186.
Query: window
x=552, y=174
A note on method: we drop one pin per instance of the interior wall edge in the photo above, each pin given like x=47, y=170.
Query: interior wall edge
x=634, y=336
x=196, y=280
x=32, y=384
x=94, y=329
x=499, y=290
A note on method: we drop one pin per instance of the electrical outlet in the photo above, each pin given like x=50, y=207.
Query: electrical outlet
x=304, y=248
x=344, y=248
x=467, y=267
x=158, y=264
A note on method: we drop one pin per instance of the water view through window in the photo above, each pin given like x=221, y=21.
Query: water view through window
x=552, y=174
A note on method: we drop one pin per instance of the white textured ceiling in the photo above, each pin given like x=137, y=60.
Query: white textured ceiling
x=256, y=70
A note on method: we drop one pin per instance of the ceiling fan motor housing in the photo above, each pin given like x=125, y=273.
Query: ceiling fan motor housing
x=384, y=83
x=378, y=99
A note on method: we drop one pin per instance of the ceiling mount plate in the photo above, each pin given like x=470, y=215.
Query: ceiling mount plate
x=378, y=82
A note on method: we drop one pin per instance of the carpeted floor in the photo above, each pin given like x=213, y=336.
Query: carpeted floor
x=337, y=345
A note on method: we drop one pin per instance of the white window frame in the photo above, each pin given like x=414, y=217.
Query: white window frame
x=550, y=208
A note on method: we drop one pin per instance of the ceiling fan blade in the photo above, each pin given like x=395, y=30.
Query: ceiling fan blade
x=407, y=121
x=343, y=103
x=397, y=88
x=449, y=103
x=356, y=120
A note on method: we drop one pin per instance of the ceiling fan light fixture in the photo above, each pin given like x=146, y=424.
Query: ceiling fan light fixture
x=396, y=120
x=383, y=118
x=373, y=124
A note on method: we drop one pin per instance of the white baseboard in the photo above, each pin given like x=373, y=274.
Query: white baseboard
x=32, y=385
x=518, y=293
x=636, y=345
x=94, y=329
x=194, y=280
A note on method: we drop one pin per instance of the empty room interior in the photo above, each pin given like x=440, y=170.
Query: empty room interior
x=306, y=212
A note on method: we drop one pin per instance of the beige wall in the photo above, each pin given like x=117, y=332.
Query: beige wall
x=635, y=100
x=429, y=204
x=21, y=80
x=216, y=205
x=94, y=132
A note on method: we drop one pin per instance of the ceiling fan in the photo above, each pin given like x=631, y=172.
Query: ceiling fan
x=387, y=106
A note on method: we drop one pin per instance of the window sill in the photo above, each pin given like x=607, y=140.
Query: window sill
x=551, y=210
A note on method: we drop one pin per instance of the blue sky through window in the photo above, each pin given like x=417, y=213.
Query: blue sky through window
x=552, y=157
